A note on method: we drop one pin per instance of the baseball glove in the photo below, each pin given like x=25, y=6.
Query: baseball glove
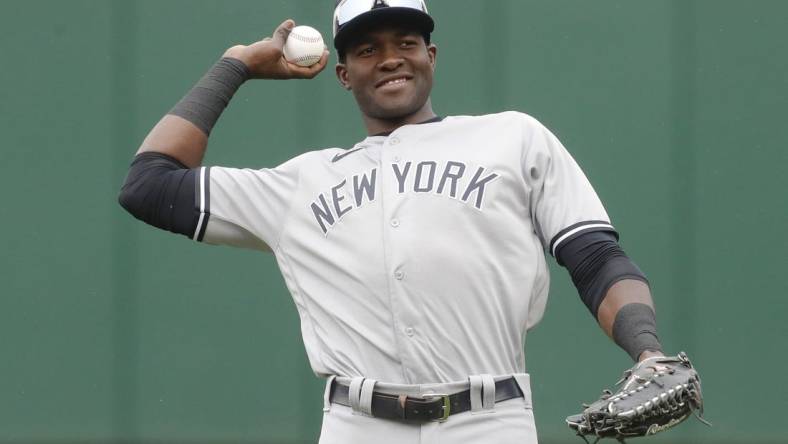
x=654, y=395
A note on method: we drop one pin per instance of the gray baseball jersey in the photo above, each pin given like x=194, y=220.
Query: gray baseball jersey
x=418, y=256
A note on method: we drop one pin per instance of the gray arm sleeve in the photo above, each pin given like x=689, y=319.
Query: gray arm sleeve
x=203, y=105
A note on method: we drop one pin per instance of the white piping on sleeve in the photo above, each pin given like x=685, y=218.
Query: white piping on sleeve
x=202, y=204
x=577, y=230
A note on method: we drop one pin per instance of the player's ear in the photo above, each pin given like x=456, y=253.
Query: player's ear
x=432, y=52
x=342, y=76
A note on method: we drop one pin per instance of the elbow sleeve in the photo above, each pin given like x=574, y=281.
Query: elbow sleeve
x=595, y=262
x=160, y=191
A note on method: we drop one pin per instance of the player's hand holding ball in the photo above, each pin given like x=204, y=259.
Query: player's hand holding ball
x=290, y=53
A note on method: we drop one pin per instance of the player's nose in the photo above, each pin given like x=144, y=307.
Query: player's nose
x=390, y=60
x=391, y=63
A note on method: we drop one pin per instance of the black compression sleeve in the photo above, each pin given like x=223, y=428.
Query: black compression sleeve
x=596, y=262
x=203, y=105
x=160, y=191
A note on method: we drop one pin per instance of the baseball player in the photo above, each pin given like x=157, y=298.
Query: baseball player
x=416, y=258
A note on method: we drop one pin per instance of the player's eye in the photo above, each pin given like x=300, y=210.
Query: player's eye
x=365, y=51
x=407, y=43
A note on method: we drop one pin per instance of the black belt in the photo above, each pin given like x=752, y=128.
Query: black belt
x=426, y=407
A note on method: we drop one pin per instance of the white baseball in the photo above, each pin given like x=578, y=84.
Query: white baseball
x=304, y=46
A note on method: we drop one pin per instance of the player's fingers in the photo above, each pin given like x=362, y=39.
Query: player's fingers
x=309, y=72
x=282, y=31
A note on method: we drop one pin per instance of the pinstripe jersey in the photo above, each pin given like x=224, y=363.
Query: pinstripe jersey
x=413, y=257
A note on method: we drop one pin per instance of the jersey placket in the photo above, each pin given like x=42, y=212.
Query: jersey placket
x=393, y=223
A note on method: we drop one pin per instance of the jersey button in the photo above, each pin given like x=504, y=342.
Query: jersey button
x=396, y=159
x=398, y=275
x=393, y=141
x=410, y=331
x=395, y=223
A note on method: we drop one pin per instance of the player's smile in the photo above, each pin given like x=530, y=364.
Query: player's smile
x=393, y=89
x=393, y=82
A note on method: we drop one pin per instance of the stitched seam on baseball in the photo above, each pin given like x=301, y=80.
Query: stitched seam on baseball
x=304, y=38
x=305, y=58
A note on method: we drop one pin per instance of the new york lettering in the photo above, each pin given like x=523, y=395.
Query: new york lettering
x=453, y=179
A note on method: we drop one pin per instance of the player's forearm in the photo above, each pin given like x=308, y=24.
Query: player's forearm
x=177, y=137
x=614, y=289
x=627, y=315
x=183, y=133
x=624, y=292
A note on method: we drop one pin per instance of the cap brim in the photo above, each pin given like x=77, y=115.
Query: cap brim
x=407, y=17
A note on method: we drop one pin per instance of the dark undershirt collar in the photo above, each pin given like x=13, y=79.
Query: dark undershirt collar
x=388, y=133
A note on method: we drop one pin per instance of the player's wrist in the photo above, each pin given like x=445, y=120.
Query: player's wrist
x=240, y=53
x=649, y=354
x=235, y=52
x=635, y=330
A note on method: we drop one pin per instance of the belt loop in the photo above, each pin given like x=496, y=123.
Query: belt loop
x=476, y=393
x=488, y=392
x=365, y=400
x=524, y=381
x=327, y=394
x=354, y=394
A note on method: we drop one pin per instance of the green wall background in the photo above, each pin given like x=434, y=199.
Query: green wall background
x=111, y=331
